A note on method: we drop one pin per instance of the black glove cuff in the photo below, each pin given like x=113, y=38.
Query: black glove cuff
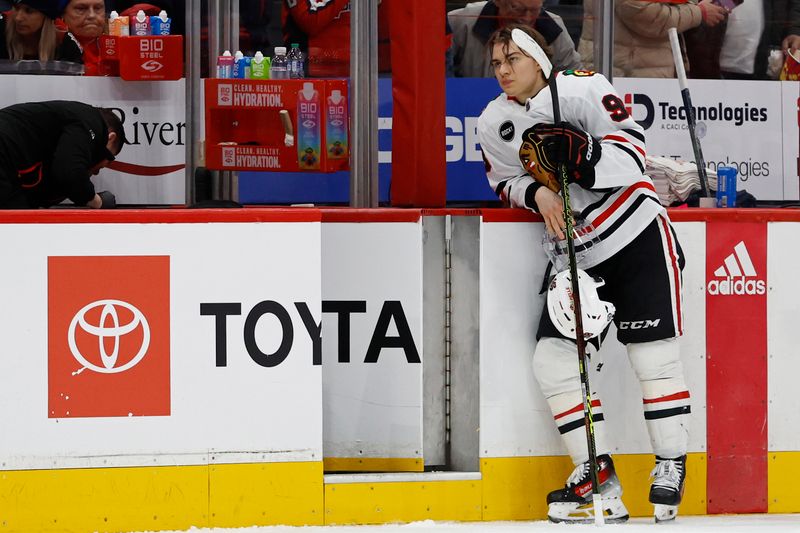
x=530, y=196
x=585, y=177
x=593, y=152
x=583, y=174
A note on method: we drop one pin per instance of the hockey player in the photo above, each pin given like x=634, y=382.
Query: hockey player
x=637, y=255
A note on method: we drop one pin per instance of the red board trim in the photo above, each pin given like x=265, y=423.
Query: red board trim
x=157, y=216
x=345, y=214
x=736, y=368
x=371, y=215
x=504, y=214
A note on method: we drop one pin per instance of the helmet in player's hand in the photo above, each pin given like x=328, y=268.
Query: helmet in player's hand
x=597, y=313
x=536, y=162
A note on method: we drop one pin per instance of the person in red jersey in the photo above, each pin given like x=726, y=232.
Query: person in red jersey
x=322, y=29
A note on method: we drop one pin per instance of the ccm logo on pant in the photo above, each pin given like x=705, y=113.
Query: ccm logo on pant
x=640, y=324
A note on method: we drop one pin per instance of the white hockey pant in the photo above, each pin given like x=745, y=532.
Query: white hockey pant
x=660, y=372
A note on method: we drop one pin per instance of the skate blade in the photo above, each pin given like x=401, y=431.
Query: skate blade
x=665, y=513
x=614, y=512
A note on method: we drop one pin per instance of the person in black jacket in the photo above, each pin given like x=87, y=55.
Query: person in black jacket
x=50, y=150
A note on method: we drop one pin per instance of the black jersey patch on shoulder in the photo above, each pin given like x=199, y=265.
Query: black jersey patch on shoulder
x=506, y=131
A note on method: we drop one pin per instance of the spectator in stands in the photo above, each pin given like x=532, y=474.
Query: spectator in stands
x=254, y=18
x=739, y=43
x=781, y=28
x=29, y=32
x=703, y=48
x=322, y=28
x=571, y=13
x=449, y=62
x=792, y=41
x=86, y=20
x=740, y=48
x=641, y=43
x=50, y=150
x=474, y=23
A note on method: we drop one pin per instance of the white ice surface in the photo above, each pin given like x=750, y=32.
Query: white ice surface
x=684, y=524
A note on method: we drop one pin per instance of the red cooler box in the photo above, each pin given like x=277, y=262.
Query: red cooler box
x=145, y=58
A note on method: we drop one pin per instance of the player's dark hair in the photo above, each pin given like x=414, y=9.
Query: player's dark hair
x=113, y=123
x=502, y=36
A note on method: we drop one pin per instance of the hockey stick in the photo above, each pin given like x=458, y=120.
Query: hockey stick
x=687, y=105
x=588, y=418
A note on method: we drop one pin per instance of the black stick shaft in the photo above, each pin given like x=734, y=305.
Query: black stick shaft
x=583, y=369
x=677, y=57
x=698, y=151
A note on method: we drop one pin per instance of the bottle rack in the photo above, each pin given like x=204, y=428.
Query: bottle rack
x=245, y=129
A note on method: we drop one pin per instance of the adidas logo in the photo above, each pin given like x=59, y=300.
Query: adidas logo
x=738, y=275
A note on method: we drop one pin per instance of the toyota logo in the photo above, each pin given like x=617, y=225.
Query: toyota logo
x=115, y=331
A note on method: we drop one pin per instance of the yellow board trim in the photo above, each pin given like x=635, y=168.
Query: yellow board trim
x=515, y=488
x=104, y=499
x=783, y=470
x=266, y=494
x=238, y=495
x=161, y=498
x=634, y=474
x=373, y=464
x=383, y=502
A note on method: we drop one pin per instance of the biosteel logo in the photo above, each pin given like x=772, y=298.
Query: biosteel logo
x=152, y=66
x=737, y=276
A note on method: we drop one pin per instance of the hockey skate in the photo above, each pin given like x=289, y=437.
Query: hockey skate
x=573, y=503
x=666, y=491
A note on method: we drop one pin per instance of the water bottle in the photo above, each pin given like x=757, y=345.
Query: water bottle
x=726, y=186
x=296, y=62
x=259, y=67
x=279, y=70
x=238, y=65
x=225, y=65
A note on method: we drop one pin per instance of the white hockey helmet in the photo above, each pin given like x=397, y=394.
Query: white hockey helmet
x=597, y=314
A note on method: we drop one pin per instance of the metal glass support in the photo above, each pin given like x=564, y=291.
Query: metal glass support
x=214, y=35
x=604, y=37
x=223, y=34
x=193, y=114
x=364, y=98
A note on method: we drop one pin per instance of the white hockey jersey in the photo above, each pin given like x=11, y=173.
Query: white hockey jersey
x=622, y=201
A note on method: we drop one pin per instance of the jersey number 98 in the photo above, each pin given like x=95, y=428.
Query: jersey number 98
x=615, y=107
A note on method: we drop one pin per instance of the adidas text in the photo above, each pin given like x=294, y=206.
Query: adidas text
x=737, y=286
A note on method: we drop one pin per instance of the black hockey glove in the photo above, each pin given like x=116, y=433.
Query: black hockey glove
x=575, y=148
x=108, y=198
